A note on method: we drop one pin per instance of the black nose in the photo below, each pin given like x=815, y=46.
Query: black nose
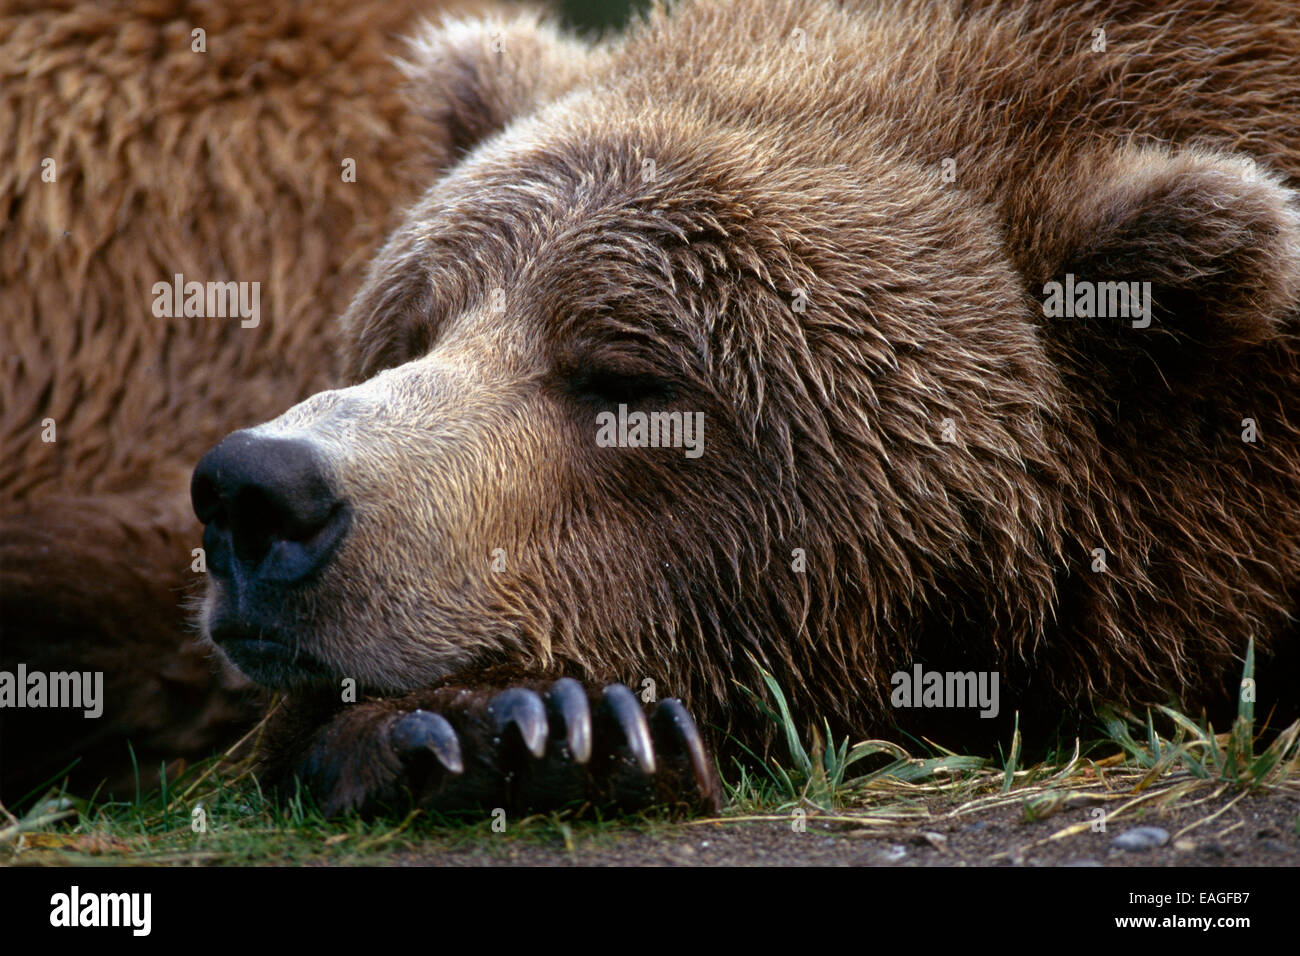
x=267, y=503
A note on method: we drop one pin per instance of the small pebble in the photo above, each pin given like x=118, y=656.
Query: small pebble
x=893, y=853
x=1140, y=838
x=930, y=838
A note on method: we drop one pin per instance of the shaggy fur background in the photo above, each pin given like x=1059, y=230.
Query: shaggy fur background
x=222, y=165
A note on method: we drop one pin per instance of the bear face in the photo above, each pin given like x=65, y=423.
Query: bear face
x=902, y=454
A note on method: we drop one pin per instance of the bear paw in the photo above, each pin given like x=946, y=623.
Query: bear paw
x=522, y=748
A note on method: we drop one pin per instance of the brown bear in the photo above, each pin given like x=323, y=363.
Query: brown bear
x=844, y=341
x=225, y=142
x=850, y=342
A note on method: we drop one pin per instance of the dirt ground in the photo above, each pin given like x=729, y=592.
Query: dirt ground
x=1259, y=830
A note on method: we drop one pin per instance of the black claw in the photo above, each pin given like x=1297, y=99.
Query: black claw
x=620, y=706
x=423, y=732
x=523, y=708
x=567, y=701
x=674, y=731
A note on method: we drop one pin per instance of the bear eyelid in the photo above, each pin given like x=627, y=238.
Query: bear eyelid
x=614, y=386
x=613, y=375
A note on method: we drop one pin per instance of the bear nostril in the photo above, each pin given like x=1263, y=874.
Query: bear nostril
x=256, y=523
x=206, y=500
x=266, y=497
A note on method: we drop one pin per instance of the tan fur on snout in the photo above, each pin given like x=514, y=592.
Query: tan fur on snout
x=416, y=454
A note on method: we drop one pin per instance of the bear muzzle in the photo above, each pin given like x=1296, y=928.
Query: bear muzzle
x=272, y=524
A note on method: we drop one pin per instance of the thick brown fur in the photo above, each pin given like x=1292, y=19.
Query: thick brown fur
x=799, y=147
x=221, y=165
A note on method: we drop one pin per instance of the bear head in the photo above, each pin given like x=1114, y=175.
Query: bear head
x=675, y=372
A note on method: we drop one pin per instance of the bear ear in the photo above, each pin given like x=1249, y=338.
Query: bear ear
x=1212, y=242
x=469, y=77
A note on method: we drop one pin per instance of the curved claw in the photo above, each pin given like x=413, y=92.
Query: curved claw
x=523, y=708
x=620, y=705
x=567, y=701
x=423, y=732
x=674, y=731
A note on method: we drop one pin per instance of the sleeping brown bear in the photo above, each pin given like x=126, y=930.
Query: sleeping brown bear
x=845, y=341
x=859, y=343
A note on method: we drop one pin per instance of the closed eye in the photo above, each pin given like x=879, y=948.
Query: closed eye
x=607, y=386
